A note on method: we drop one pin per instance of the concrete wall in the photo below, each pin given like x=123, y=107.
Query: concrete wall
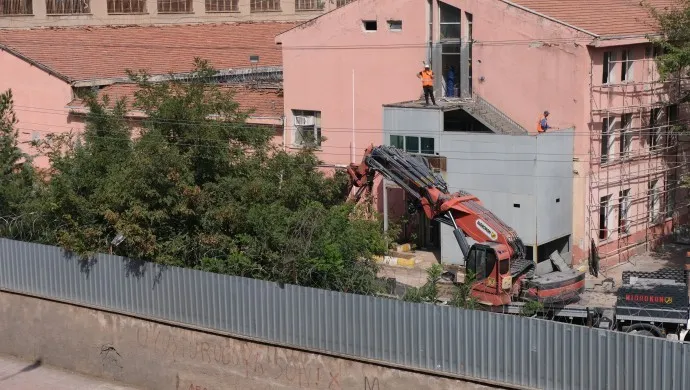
x=158, y=356
x=39, y=102
x=99, y=15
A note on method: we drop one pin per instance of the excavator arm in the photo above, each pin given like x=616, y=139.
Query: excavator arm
x=459, y=210
x=498, y=258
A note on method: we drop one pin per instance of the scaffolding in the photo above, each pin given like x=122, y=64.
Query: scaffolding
x=632, y=187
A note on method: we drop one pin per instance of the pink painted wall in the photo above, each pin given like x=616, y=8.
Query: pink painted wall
x=319, y=58
x=39, y=100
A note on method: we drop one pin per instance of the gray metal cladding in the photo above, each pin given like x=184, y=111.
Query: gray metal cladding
x=509, y=349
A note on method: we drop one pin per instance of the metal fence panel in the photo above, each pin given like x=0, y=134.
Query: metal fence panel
x=502, y=348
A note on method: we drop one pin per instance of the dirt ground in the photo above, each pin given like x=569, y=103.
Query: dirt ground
x=600, y=291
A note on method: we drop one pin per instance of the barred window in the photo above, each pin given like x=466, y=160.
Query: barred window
x=175, y=6
x=67, y=7
x=309, y=5
x=126, y=6
x=264, y=5
x=16, y=7
x=341, y=3
x=222, y=6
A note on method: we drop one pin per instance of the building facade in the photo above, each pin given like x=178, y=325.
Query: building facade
x=521, y=57
x=64, y=13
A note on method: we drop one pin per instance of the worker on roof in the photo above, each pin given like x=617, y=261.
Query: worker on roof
x=543, y=124
x=427, y=77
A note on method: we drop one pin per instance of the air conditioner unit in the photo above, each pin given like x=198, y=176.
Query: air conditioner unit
x=304, y=121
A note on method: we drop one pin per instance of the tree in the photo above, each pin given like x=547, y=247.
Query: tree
x=16, y=173
x=200, y=188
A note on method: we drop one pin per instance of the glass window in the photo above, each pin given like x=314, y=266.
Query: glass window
x=398, y=141
x=490, y=262
x=427, y=145
x=412, y=144
x=504, y=267
x=450, y=21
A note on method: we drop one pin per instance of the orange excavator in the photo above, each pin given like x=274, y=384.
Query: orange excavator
x=497, y=259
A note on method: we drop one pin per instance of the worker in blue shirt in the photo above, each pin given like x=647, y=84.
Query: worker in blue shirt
x=543, y=124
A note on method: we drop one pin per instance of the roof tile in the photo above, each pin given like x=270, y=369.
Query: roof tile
x=85, y=53
x=266, y=103
x=601, y=17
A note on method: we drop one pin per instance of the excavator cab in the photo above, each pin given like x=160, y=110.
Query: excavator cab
x=489, y=263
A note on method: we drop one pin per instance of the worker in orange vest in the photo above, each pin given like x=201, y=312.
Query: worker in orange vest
x=542, y=123
x=427, y=77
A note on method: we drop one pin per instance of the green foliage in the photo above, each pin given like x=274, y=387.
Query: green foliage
x=531, y=308
x=16, y=173
x=462, y=295
x=200, y=188
x=429, y=291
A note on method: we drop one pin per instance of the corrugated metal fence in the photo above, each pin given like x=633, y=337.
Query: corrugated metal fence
x=501, y=348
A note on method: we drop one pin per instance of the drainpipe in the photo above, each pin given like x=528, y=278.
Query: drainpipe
x=284, y=132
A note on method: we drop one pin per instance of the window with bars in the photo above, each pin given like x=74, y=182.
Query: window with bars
x=340, y=3
x=309, y=5
x=264, y=5
x=175, y=6
x=655, y=130
x=67, y=7
x=126, y=6
x=607, y=138
x=222, y=6
x=16, y=7
x=626, y=135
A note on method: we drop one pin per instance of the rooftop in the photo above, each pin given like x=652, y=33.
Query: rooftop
x=265, y=102
x=480, y=109
x=87, y=53
x=601, y=17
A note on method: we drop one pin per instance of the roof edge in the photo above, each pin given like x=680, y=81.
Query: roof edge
x=37, y=64
x=518, y=6
x=167, y=76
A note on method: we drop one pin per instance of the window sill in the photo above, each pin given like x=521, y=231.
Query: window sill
x=223, y=12
x=265, y=11
x=15, y=15
x=301, y=147
x=77, y=14
x=175, y=12
x=128, y=13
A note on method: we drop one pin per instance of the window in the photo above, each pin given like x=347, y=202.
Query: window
x=16, y=7
x=127, y=6
x=370, y=25
x=222, y=6
x=626, y=135
x=608, y=68
x=341, y=3
x=672, y=115
x=477, y=263
x=309, y=5
x=413, y=144
x=653, y=201
x=67, y=7
x=627, y=66
x=623, y=208
x=671, y=184
x=605, y=212
x=398, y=141
x=264, y=5
x=655, y=132
x=450, y=22
x=175, y=6
x=607, y=138
x=395, y=25
x=307, y=128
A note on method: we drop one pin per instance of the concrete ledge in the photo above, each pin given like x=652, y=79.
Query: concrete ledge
x=407, y=262
x=154, y=355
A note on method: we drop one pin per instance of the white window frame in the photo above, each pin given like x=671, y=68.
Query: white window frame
x=627, y=72
x=606, y=206
x=611, y=71
x=608, y=125
x=626, y=135
x=623, y=210
x=297, y=138
x=419, y=143
x=395, y=25
x=655, y=128
x=441, y=23
x=653, y=206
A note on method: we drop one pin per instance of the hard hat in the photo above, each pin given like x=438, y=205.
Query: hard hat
x=426, y=65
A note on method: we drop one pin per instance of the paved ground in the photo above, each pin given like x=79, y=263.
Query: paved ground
x=20, y=375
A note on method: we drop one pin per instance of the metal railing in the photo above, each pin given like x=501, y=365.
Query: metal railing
x=264, y=5
x=486, y=106
x=16, y=7
x=175, y=6
x=506, y=349
x=126, y=6
x=222, y=6
x=68, y=7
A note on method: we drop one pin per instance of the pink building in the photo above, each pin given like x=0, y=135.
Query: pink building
x=589, y=65
x=47, y=69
